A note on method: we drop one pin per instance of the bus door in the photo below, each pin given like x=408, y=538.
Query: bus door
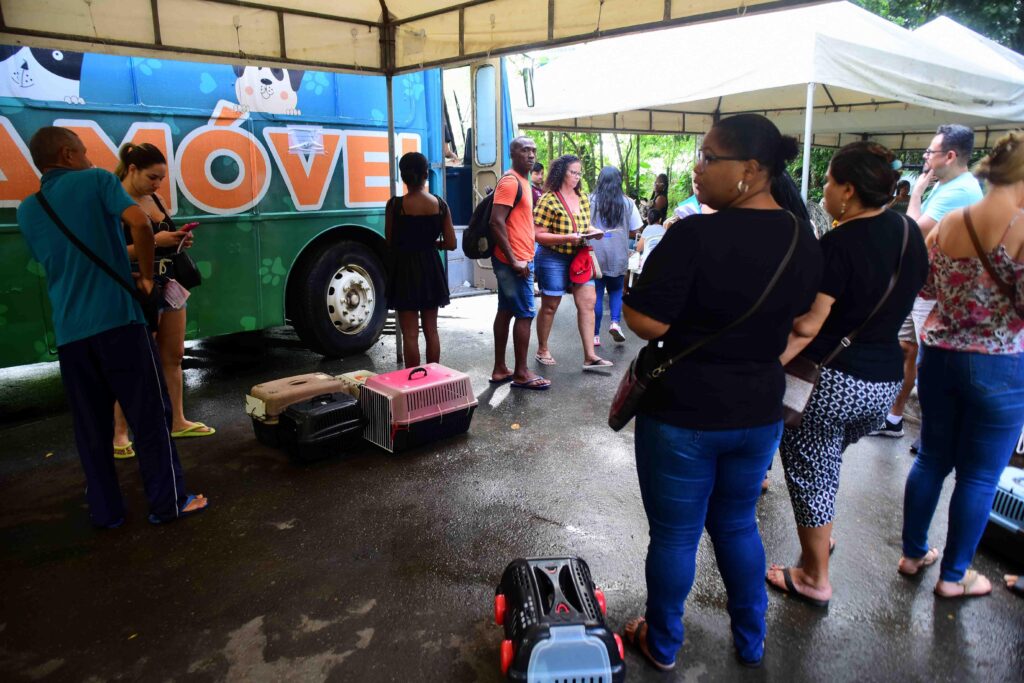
x=490, y=140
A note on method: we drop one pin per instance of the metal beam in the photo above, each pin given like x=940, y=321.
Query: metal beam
x=155, y=9
x=439, y=12
x=269, y=7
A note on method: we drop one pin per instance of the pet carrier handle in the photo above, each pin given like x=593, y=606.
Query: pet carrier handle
x=415, y=370
x=327, y=398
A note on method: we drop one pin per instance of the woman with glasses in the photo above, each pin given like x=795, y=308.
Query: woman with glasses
x=875, y=263
x=142, y=170
x=561, y=220
x=707, y=430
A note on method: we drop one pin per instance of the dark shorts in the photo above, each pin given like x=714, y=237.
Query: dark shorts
x=515, y=293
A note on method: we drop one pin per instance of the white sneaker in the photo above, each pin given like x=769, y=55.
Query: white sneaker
x=597, y=340
x=616, y=332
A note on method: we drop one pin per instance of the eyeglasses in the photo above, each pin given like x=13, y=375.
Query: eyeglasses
x=576, y=173
x=704, y=158
x=929, y=152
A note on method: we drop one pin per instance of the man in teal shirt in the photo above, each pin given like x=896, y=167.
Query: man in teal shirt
x=946, y=161
x=104, y=349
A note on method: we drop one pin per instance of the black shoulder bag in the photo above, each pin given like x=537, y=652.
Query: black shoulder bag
x=183, y=267
x=150, y=304
x=802, y=374
x=635, y=382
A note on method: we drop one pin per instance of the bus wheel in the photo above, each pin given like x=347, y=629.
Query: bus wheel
x=339, y=307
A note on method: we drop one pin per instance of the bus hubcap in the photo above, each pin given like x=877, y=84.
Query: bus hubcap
x=350, y=299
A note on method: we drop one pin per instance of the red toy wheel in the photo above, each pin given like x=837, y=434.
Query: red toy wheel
x=499, y=609
x=506, y=656
x=599, y=594
x=618, y=641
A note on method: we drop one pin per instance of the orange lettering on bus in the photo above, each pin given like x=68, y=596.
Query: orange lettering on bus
x=18, y=177
x=196, y=154
x=366, y=166
x=103, y=154
x=307, y=175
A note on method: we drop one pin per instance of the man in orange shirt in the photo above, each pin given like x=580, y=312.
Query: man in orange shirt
x=512, y=229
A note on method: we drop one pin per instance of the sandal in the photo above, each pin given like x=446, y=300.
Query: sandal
x=970, y=578
x=545, y=360
x=124, y=452
x=635, y=633
x=197, y=429
x=597, y=364
x=791, y=591
x=920, y=563
x=182, y=512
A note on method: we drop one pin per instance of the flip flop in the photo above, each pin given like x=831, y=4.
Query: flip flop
x=153, y=519
x=928, y=560
x=194, y=430
x=970, y=578
x=545, y=360
x=635, y=633
x=791, y=590
x=535, y=384
x=124, y=452
x=598, y=364
x=503, y=380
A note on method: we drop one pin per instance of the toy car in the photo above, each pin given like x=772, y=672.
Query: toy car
x=555, y=630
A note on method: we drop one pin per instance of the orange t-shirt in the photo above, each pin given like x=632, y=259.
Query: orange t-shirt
x=519, y=223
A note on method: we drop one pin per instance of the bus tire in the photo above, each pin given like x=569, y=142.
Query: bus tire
x=338, y=307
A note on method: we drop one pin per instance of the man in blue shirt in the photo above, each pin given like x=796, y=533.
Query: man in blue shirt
x=945, y=161
x=104, y=349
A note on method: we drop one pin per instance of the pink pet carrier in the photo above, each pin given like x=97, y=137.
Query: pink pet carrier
x=408, y=408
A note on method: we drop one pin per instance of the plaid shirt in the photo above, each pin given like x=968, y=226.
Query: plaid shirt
x=550, y=215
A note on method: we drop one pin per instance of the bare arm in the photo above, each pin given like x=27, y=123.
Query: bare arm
x=807, y=326
x=916, y=195
x=644, y=326
x=448, y=241
x=388, y=221
x=142, y=244
x=550, y=239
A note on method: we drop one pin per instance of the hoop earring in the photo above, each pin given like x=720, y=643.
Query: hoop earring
x=742, y=187
x=842, y=212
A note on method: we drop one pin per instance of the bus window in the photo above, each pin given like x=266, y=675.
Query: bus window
x=484, y=132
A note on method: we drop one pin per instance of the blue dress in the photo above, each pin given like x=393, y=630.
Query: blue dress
x=416, y=276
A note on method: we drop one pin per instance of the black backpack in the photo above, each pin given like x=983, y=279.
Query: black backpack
x=477, y=241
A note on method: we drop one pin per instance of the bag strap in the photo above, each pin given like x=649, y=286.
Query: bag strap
x=846, y=341
x=567, y=211
x=663, y=368
x=1008, y=290
x=133, y=291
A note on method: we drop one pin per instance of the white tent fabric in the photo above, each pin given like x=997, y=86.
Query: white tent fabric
x=874, y=77
x=376, y=36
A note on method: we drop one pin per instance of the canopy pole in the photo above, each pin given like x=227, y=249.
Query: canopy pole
x=808, y=121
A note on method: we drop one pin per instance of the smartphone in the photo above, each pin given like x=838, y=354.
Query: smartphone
x=188, y=227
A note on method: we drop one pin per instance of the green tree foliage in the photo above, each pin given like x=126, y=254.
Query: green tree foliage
x=1000, y=20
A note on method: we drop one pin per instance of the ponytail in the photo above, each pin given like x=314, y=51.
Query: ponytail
x=141, y=156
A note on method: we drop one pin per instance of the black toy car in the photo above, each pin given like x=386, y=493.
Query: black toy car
x=554, y=624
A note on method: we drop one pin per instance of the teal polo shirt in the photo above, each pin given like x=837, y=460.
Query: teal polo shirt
x=85, y=300
x=959, y=192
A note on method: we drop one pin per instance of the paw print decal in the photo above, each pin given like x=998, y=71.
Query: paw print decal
x=272, y=271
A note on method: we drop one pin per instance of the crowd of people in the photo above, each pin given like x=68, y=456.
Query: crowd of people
x=904, y=285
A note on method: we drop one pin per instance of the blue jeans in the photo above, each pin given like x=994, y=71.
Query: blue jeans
x=614, y=284
x=691, y=480
x=973, y=409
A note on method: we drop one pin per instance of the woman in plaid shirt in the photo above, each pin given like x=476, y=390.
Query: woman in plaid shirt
x=561, y=220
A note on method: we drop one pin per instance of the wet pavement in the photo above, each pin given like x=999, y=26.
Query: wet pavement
x=374, y=567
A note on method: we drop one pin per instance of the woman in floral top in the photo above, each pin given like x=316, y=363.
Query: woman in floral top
x=971, y=380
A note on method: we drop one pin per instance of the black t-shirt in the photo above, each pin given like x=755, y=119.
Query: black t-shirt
x=707, y=271
x=860, y=259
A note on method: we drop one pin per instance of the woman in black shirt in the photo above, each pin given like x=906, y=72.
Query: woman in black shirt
x=855, y=389
x=708, y=429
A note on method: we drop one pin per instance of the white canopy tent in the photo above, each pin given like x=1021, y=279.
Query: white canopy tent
x=376, y=36
x=823, y=71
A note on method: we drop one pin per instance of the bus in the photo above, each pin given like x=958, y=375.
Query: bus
x=285, y=171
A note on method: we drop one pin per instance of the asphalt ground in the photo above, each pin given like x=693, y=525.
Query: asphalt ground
x=376, y=567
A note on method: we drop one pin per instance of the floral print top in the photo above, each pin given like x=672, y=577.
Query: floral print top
x=971, y=313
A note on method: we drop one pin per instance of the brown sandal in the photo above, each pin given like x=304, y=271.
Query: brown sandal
x=966, y=583
x=635, y=633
